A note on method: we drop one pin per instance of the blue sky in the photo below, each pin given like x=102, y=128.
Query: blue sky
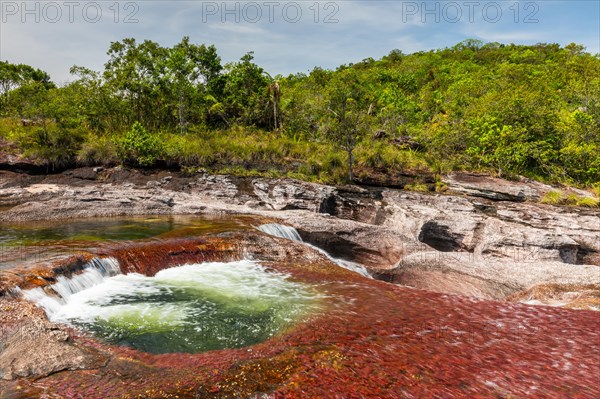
x=286, y=36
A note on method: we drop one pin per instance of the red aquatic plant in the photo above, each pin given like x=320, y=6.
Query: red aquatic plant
x=369, y=340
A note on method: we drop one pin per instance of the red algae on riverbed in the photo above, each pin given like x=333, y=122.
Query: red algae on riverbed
x=150, y=257
x=370, y=340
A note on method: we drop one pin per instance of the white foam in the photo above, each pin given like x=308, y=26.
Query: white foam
x=282, y=231
x=92, y=296
x=94, y=273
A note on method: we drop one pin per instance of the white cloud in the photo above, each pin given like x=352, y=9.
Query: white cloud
x=364, y=29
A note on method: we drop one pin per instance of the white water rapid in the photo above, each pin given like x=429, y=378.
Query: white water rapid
x=282, y=231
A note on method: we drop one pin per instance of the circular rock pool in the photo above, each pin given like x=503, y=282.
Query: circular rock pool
x=191, y=308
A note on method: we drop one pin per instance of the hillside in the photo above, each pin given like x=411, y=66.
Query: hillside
x=503, y=109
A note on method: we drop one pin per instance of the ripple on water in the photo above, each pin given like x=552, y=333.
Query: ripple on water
x=190, y=308
x=29, y=243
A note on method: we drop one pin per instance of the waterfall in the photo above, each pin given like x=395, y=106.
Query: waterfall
x=282, y=231
x=188, y=308
x=94, y=273
x=279, y=230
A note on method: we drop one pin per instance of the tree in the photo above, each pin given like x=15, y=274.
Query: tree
x=274, y=92
x=245, y=92
x=347, y=105
x=135, y=72
x=101, y=109
x=531, y=110
x=580, y=150
x=14, y=76
x=193, y=71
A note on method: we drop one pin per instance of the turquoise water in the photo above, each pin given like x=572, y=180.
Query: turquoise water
x=190, y=308
x=32, y=242
x=103, y=229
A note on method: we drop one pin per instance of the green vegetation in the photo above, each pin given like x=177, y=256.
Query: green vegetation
x=552, y=198
x=559, y=198
x=505, y=109
x=417, y=187
x=138, y=147
x=588, y=202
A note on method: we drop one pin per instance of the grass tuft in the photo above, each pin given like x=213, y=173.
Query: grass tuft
x=588, y=202
x=552, y=198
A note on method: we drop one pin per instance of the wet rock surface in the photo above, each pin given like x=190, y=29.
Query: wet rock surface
x=489, y=240
x=498, y=243
x=373, y=340
x=404, y=342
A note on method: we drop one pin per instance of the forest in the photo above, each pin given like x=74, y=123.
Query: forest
x=505, y=109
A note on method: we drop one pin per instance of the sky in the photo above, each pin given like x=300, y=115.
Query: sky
x=285, y=36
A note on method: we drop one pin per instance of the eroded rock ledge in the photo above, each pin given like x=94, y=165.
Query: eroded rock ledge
x=32, y=347
x=471, y=244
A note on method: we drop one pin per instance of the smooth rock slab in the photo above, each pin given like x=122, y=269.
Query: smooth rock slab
x=35, y=349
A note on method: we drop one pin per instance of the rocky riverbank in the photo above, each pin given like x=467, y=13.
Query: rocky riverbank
x=371, y=339
x=487, y=238
x=388, y=340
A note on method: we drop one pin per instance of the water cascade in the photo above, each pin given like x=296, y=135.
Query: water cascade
x=189, y=308
x=290, y=233
x=94, y=273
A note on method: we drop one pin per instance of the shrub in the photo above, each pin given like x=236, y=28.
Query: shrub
x=558, y=198
x=49, y=145
x=571, y=199
x=97, y=150
x=370, y=156
x=417, y=187
x=8, y=125
x=596, y=189
x=440, y=186
x=139, y=147
x=333, y=160
x=189, y=150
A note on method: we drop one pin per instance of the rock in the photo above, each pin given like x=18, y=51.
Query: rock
x=286, y=194
x=440, y=237
x=373, y=246
x=255, y=204
x=215, y=186
x=484, y=276
x=412, y=339
x=85, y=174
x=43, y=188
x=261, y=186
x=575, y=296
x=152, y=184
x=493, y=188
x=379, y=227
x=407, y=142
x=328, y=204
x=17, y=163
x=98, y=169
x=34, y=349
x=169, y=201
